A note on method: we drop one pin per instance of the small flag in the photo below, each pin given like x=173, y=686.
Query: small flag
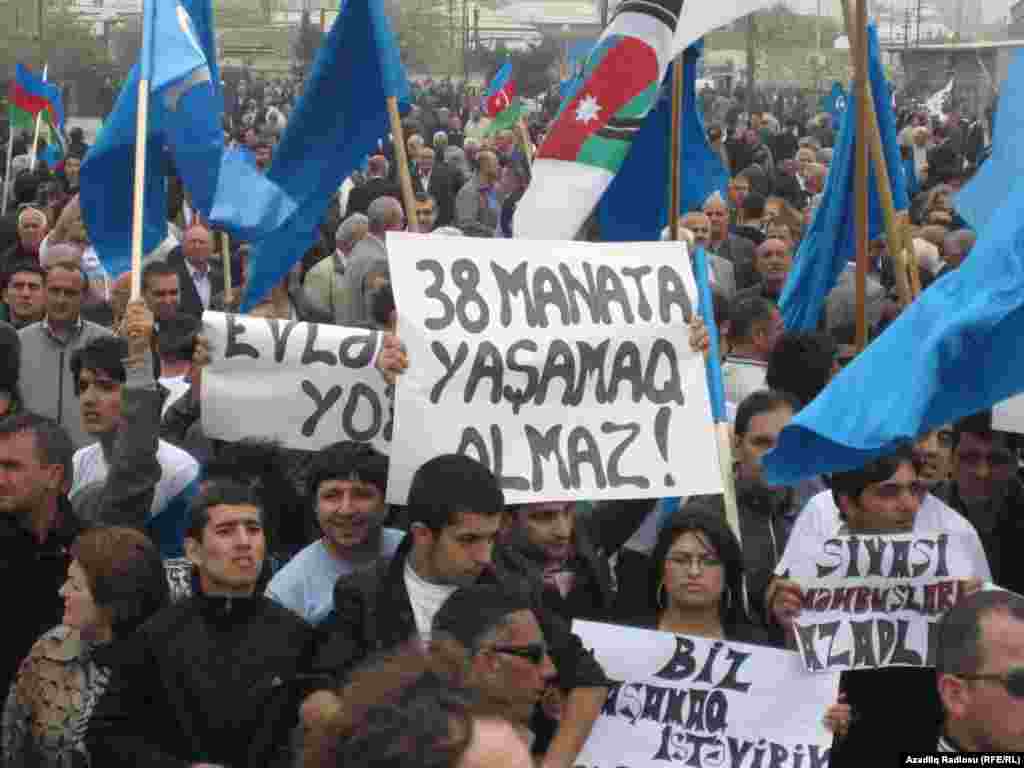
x=834, y=103
x=30, y=95
x=501, y=93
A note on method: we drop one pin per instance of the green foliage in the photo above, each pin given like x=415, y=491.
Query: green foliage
x=531, y=68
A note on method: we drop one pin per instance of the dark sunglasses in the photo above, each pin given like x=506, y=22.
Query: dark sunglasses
x=1013, y=681
x=533, y=652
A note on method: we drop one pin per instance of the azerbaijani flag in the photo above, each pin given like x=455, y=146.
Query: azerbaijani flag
x=501, y=93
x=591, y=135
x=29, y=95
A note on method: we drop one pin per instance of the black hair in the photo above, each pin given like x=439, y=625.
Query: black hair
x=22, y=266
x=349, y=460
x=472, y=613
x=746, y=313
x=53, y=445
x=262, y=465
x=753, y=204
x=450, y=485
x=382, y=304
x=698, y=515
x=801, y=364
x=215, y=493
x=959, y=648
x=979, y=424
x=762, y=401
x=106, y=354
x=156, y=268
x=852, y=483
x=176, y=340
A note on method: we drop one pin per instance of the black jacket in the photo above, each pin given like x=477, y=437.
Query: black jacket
x=34, y=572
x=189, y=302
x=372, y=614
x=359, y=199
x=598, y=534
x=210, y=679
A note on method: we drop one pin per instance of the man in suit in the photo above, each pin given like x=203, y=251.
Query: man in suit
x=376, y=185
x=367, y=265
x=733, y=248
x=477, y=205
x=436, y=180
x=198, y=285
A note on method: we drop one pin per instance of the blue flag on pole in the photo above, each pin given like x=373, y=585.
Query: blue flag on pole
x=834, y=102
x=997, y=175
x=955, y=351
x=829, y=242
x=635, y=205
x=336, y=123
x=108, y=173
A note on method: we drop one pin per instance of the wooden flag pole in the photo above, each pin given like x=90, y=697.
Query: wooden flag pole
x=896, y=228
x=7, y=173
x=860, y=232
x=524, y=140
x=674, y=149
x=140, y=188
x=225, y=253
x=35, y=136
x=403, y=164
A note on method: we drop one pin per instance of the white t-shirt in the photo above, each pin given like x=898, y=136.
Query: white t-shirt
x=820, y=520
x=305, y=585
x=426, y=600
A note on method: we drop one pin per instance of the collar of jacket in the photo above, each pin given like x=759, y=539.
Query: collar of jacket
x=224, y=608
x=66, y=526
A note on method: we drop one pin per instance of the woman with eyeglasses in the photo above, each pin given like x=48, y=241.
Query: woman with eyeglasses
x=697, y=586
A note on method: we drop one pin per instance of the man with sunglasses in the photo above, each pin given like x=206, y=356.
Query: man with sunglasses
x=980, y=665
x=509, y=665
x=894, y=709
x=986, y=490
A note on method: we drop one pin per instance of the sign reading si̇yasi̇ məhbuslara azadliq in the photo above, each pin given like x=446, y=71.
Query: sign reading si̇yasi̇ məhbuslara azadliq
x=690, y=701
x=874, y=601
x=304, y=385
x=564, y=366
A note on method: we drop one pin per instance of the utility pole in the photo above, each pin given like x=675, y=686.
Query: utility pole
x=42, y=52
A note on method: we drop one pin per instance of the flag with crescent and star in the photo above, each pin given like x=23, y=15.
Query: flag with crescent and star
x=501, y=92
x=595, y=126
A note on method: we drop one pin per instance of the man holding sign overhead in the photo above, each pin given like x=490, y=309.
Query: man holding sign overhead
x=861, y=593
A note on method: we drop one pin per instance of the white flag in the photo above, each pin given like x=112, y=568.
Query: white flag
x=937, y=99
x=698, y=17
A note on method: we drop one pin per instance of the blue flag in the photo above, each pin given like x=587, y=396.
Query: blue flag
x=108, y=173
x=829, y=242
x=336, y=123
x=997, y=175
x=834, y=102
x=635, y=205
x=955, y=351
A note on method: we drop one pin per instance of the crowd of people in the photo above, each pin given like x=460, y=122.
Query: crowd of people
x=189, y=601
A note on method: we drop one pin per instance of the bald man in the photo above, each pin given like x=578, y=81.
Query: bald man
x=197, y=283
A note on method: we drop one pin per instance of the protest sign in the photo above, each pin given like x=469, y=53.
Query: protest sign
x=875, y=600
x=566, y=367
x=303, y=384
x=1008, y=416
x=704, y=703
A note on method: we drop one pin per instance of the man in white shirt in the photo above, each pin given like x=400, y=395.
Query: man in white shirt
x=347, y=490
x=196, y=283
x=755, y=325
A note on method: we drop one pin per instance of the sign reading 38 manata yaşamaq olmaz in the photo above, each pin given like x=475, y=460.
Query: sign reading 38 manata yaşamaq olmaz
x=564, y=366
x=304, y=385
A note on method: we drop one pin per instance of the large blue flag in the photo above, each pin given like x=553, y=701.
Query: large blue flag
x=635, y=205
x=336, y=123
x=999, y=173
x=955, y=351
x=829, y=243
x=171, y=53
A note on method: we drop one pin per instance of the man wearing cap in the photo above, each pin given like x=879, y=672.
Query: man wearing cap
x=509, y=665
x=980, y=666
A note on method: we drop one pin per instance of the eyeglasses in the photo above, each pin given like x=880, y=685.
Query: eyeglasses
x=1012, y=681
x=532, y=652
x=703, y=562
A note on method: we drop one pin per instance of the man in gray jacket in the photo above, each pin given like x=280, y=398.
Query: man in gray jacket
x=47, y=346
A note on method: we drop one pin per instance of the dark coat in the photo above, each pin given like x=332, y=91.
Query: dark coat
x=211, y=680
x=372, y=614
x=36, y=571
x=189, y=302
x=359, y=199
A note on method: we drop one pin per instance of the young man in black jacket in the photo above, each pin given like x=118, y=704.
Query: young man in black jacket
x=215, y=680
x=455, y=506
